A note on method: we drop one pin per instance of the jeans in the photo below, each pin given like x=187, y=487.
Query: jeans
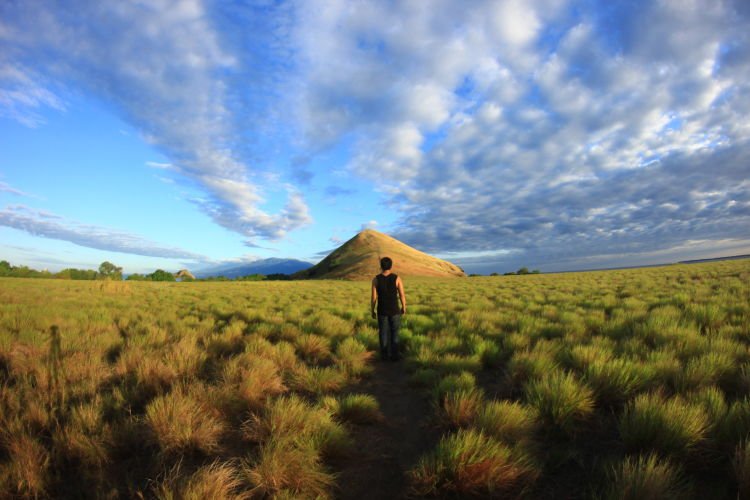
x=388, y=332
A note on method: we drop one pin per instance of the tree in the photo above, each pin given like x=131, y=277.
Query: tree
x=109, y=271
x=161, y=275
x=523, y=270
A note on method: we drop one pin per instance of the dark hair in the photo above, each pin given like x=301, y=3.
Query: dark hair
x=386, y=263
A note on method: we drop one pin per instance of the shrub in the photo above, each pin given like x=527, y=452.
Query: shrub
x=646, y=478
x=668, y=426
x=561, y=400
x=470, y=463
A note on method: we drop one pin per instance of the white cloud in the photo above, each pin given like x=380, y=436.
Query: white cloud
x=167, y=69
x=535, y=126
x=6, y=188
x=47, y=225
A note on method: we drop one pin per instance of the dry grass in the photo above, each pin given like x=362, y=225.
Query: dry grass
x=217, y=481
x=282, y=468
x=180, y=423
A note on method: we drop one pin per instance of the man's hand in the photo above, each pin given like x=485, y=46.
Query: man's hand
x=403, y=309
x=374, y=315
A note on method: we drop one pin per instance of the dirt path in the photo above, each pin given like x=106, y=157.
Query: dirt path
x=387, y=450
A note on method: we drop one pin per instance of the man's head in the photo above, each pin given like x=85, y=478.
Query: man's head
x=386, y=263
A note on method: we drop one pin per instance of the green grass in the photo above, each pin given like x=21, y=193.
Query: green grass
x=252, y=389
x=470, y=463
x=562, y=401
x=669, y=426
x=646, y=478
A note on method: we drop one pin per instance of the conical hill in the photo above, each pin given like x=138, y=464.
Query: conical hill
x=359, y=259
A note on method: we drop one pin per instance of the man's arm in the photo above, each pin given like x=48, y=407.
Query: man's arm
x=374, y=298
x=401, y=294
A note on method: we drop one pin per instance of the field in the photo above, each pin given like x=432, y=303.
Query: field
x=613, y=384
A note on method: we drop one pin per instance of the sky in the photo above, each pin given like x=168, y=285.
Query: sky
x=551, y=134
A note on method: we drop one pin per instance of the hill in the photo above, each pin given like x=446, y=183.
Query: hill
x=265, y=266
x=359, y=259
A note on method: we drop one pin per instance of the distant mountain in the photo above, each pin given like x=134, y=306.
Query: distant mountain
x=359, y=259
x=265, y=266
x=714, y=259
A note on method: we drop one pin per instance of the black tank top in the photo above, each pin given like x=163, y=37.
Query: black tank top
x=388, y=304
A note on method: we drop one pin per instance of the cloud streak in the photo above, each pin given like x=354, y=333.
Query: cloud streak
x=48, y=225
x=6, y=188
x=164, y=66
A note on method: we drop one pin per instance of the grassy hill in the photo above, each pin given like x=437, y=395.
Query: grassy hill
x=359, y=259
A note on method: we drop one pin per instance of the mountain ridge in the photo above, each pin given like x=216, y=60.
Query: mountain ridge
x=272, y=265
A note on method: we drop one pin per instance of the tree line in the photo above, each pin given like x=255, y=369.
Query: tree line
x=109, y=271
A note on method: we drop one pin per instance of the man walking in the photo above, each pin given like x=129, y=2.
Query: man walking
x=387, y=292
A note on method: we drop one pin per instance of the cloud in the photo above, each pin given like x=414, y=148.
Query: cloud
x=22, y=96
x=542, y=129
x=372, y=224
x=174, y=70
x=5, y=188
x=159, y=165
x=46, y=225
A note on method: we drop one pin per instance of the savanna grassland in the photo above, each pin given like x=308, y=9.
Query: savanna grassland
x=613, y=384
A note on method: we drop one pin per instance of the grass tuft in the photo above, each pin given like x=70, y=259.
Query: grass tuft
x=668, y=426
x=282, y=469
x=215, y=481
x=646, y=478
x=460, y=408
x=561, y=400
x=470, y=463
x=507, y=421
x=359, y=409
x=180, y=423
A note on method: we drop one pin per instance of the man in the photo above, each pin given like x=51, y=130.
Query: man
x=387, y=292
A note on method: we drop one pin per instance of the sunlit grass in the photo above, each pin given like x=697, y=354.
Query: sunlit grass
x=256, y=388
x=471, y=463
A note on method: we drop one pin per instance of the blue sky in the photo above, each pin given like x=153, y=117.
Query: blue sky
x=553, y=134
